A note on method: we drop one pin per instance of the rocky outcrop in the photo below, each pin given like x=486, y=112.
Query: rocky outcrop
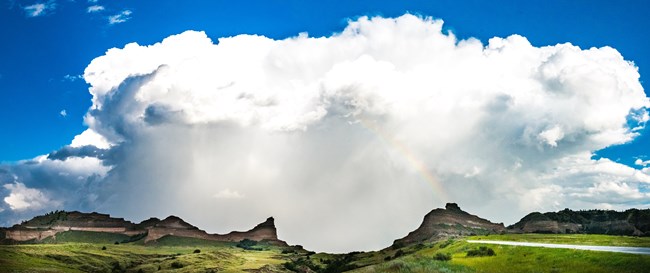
x=449, y=222
x=264, y=231
x=633, y=222
x=437, y=224
x=49, y=225
x=174, y=226
x=28, y=235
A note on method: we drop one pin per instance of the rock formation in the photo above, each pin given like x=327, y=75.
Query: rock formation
x=449, y=222
x=175, y=226
x=49, y=225
x=44, y=226
x=630, y=222
x=437, y=224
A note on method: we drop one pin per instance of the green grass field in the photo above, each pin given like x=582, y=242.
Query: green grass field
x=170, y=254
x=174, y=254
x=514, y=258
x=576, y=239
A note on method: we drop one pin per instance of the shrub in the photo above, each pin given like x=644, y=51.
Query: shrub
x=340, y=264
x=480, y=252
x=117, y=268
x=398, y=253
x=442, y=257
x=197, y=251
x=177, y=265
x=103, y=247
x=302, y=265
x=247, y=244
x=134, y=238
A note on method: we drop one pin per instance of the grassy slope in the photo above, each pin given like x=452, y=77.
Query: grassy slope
x=535, y=259
x=518, y=259
x=133, y=257
x=576, y=239
x=225, y=257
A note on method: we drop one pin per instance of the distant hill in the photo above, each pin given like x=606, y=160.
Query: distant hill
x=48, y=226
x=437, y=225
x=632, y=222
x=452, y=222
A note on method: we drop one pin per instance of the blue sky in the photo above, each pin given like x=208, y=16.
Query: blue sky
x=386, y=114
x=38, y=52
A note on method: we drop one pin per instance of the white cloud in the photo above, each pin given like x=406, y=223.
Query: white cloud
x=551, y=136
x=74, y=166
x=334, y=135
x=23, y=198
x=641, y=162
x=63, y=113
x=121, y=17
x=90, y=137
x=541, y=198
x=621, y=189
x=95, y=8
x=35, y=186
x=228, y=194
x=39, y=9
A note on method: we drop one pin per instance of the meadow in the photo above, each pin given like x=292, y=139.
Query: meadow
x=170, y=254
x=422, y=258
x=85, y=252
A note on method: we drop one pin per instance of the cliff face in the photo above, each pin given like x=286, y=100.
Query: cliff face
x=49, y=225
x=633, y=222
x=449, y=222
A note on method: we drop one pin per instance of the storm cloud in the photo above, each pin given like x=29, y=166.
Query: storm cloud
x=347, y=140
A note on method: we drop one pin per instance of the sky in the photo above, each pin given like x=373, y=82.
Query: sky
x=345, y=120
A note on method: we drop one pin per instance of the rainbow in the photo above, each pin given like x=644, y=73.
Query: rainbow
x=417, y=164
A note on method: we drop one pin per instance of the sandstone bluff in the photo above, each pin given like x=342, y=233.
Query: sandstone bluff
x=150, y=230
x=437, y=225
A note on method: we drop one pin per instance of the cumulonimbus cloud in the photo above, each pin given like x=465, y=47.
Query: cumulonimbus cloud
x=348, y=140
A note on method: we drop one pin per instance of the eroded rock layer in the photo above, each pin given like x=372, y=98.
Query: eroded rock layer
x=51, y=224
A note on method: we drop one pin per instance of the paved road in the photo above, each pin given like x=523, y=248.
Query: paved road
x=621, y=249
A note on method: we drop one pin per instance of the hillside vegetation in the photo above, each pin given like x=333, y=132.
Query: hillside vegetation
x=425, y=257
x=176, y=254
x=94, y=242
